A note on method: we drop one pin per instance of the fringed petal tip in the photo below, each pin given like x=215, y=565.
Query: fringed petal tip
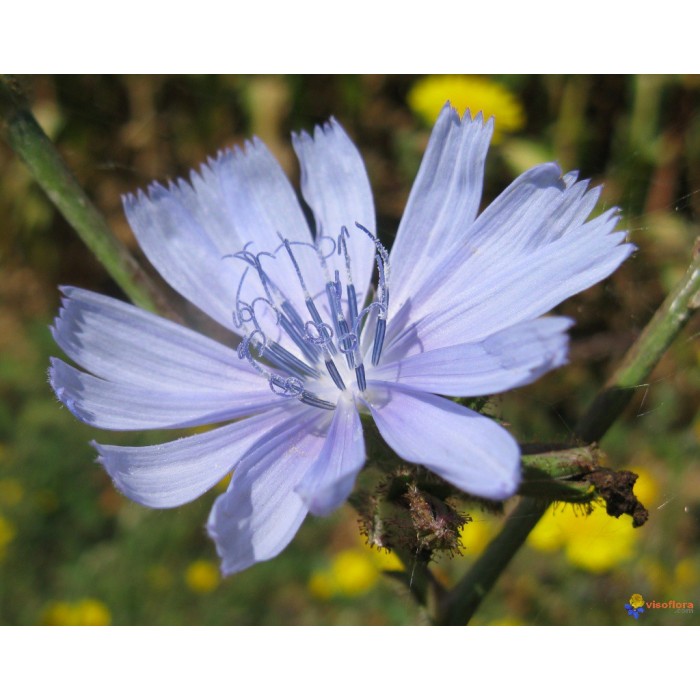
x=466, y=119
x=60, y=379
x=153, y=193
x=330, y=129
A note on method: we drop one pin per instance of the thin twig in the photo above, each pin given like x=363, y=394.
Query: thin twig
x=30, y=143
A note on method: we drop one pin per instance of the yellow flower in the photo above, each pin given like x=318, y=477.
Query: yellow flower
x=202, y=576
x=321, y=585
x=58, y=614
x=86, y=612
x=636, y=601
x=646, y=488
x=352, y=572
x=595, y=542
x=429, y=94
x=383, y=559
x=475, y=535
x=93, y=612
x=548, y=535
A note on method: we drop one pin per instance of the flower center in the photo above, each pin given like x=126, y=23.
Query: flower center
x=296, y=334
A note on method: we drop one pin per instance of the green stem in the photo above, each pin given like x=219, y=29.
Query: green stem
x=643, y=356
x=420, y=581
x=555, y=475
x=30, y=143
x=560, y=463
x=460, y=604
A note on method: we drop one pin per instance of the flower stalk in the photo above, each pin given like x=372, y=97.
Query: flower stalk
x=645, y=353
x=27, y=139
x=460, y=604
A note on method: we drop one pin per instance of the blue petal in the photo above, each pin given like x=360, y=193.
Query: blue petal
x=444, y=199
x=187, y=231
x=179, y=247
x=122, y=343
x=538, y=207
x=170, y=474
x=261, y=512
x=470, y=451
x=482, y=292
x=330, y=479
x=334, y=182
x=116, y=406
x=513, y=357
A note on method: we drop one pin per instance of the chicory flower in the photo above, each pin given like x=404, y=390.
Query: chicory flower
x=457, y=310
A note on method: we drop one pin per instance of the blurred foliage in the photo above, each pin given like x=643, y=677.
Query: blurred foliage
x=73, y=551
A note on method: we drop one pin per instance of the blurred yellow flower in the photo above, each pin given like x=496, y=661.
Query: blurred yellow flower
x=428, y=95
x=321, y=585
x=646, y=488
x=475, y=535
x=383, y=559
x=596, y=542
x=85, y=612
x=202, y=576
x=352, y=572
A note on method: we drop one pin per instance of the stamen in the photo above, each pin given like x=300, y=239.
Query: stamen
x=383, y=252
x=309, y=301
x=321, y=257
x=324, y=333
x=352, y=304
x=312, y=400
x=291, y=387
x=335, y=375
x=294, y=327
x=314, y=338
x=360, y=375
x=288, y=386
x=382, y=259
x=378, y=340
x=300, y=277
x=334, y=292
x=285, y=360
x=352, y=297
x=380, y=330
